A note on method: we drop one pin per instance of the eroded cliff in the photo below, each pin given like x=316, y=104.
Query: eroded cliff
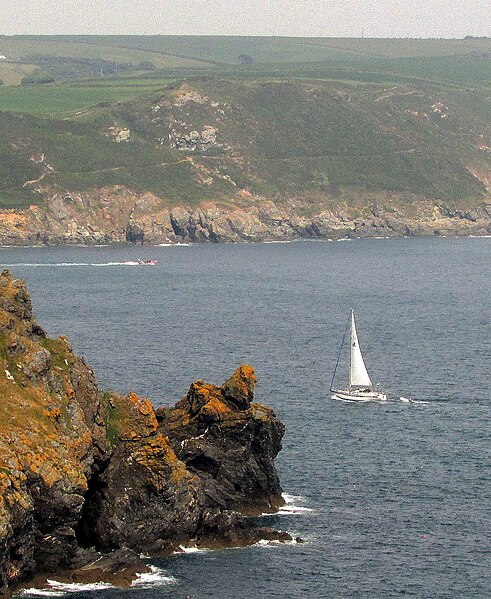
x=84, y=471
x=119, y=215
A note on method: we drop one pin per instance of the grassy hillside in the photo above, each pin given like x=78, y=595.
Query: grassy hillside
x=459, y=60
x=12, y=73
x=307, y=117
x=276, y=138
x=65, y=99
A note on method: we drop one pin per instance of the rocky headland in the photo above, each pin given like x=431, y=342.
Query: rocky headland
x=89, y=479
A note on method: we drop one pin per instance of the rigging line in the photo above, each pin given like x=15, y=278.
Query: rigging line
x=339, y=353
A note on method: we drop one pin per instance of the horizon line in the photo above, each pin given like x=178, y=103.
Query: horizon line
x=238, y=35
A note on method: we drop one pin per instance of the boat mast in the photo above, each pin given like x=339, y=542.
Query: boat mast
x=339, y=354
x=352, y=327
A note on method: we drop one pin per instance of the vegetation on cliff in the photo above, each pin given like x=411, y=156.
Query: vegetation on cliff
x=319, y=125
x=84, y=471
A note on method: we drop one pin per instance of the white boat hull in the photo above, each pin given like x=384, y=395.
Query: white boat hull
x=358, y=395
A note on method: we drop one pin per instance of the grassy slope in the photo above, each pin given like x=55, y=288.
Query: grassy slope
x=11, y=73
x=64, y=99
x=292, y=127
x=449, y=59
x=15, y=47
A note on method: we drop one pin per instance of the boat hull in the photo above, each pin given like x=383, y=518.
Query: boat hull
x=358, y=396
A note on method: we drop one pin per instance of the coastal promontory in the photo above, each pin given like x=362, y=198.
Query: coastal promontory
x=90, y=478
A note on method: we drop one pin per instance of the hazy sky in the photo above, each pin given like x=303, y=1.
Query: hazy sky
x=378, y=18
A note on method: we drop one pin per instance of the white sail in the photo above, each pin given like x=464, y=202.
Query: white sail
x=358, y=375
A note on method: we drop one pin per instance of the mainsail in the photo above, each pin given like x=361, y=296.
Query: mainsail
x=358, y=375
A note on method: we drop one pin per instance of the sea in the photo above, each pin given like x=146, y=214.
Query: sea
x=392, y=499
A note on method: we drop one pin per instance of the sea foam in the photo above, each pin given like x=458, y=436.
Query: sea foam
x=293, y=506
x=155, y=578
x=58, y=589
x=183, y=549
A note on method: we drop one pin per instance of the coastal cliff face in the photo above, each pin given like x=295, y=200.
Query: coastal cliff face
x=119, y=215
x=84, y=471
x=233, y=160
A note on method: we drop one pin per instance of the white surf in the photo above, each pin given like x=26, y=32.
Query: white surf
x=293, y=506
x=155, y=578
x=183, y=549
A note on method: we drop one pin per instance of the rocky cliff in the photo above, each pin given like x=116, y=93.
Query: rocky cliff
x=85, y=472
x=119, y=215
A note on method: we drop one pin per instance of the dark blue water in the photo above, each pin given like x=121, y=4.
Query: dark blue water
x=400, y=493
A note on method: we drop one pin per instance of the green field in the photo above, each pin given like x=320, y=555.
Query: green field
x=225, y=49
x=436, y=58
x=15, y=47
x=66, y=99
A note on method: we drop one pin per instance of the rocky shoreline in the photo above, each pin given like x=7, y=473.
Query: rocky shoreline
x=89, y=479
x=118, y=215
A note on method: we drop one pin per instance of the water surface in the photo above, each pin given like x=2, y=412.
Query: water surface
x=400, y=493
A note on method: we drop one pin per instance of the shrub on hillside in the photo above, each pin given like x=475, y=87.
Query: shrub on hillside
x=245, y=59
x=37, y=78
x=146, y=65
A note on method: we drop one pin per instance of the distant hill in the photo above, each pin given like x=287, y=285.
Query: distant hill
x=462, y=59
x=324, y=122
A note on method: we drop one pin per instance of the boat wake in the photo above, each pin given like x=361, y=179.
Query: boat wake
x=72, y=264
x=409, y=400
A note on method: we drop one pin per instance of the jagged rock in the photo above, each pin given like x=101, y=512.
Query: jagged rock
x=83, y=471
x=239, y=389
x=38, y=365
x=229, y=442
x=145, y=496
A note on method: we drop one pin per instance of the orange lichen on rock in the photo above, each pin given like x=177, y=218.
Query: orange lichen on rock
x=240, y=386
x=214, y=409
x=46, y=440
x=145, y=408
x=157, y=455
x=199, y=394
x=77, y=461
x=53, y=413
x=131, y=417
x=208, y=401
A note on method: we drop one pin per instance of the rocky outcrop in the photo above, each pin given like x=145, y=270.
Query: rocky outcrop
x=85, y=472
x=229, y=441
x=116, y=214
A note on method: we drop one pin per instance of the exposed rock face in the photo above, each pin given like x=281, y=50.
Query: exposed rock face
x=84, y=471
x=229, y=442
x=119, y=215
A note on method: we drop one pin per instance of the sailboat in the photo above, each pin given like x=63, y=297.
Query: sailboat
x=360, y=386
